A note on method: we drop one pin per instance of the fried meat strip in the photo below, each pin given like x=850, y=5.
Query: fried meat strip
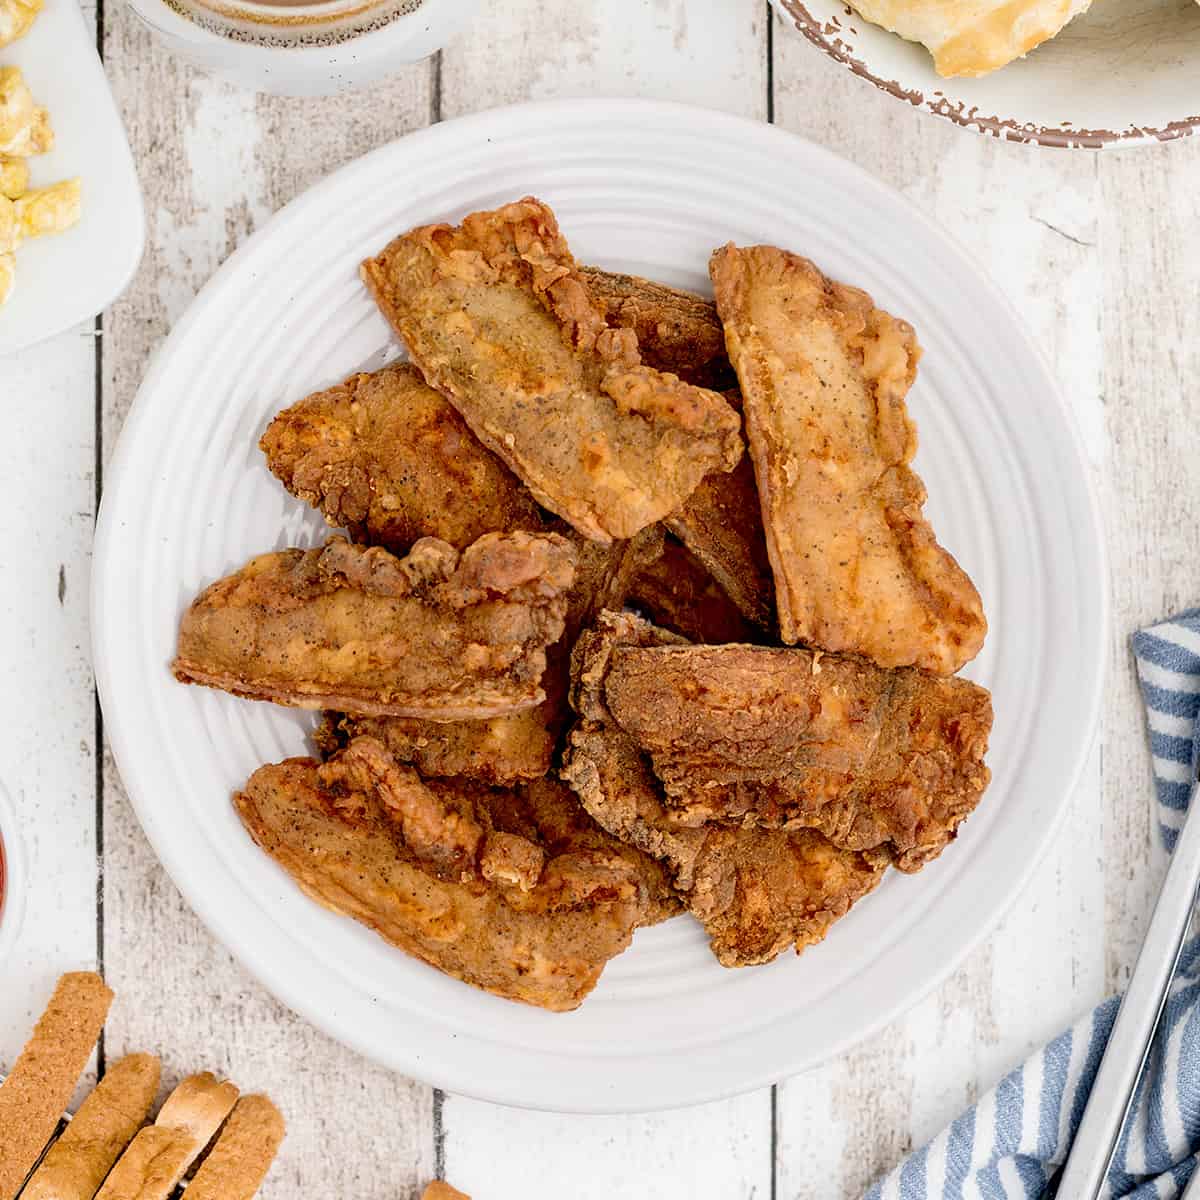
x=498, y=318
x=788, y=738
x=388, y=459
x=756, y=891
x=498, y=750
x=515, y=746
x=677, y=593
x=517, y=892
x=439, y=634
x=677, y=331
x=721, y=521
x=721, y=524
x=824, y=374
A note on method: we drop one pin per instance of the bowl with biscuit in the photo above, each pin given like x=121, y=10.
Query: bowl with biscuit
x=12, y=876
x=1047, y=72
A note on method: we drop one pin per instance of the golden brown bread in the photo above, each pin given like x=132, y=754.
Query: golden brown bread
x=107, y=1120
x=239, y=1162
x=158, y=1158
x=39, y=1087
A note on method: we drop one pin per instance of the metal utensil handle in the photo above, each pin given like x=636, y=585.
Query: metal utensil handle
x=1137, y=1019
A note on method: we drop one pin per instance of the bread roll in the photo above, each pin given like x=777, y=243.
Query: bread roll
x=39, y=1088
x=972, y=37
x=100, y=1130
x=239, y=1162
x=443, y=1191
x=160, y=1155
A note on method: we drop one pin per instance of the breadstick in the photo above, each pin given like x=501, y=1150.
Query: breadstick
x=160, y=1155
x=443, y=1191
x=100, y=1130
x=39, y=1087
x=239, y=1162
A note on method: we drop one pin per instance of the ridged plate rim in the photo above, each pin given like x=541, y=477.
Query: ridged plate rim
x=522, y=1071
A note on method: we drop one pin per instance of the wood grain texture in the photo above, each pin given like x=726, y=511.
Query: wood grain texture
x=1100, y=254
x=47, y=761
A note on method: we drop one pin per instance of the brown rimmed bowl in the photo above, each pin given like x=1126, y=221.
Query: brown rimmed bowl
x=1120, y=74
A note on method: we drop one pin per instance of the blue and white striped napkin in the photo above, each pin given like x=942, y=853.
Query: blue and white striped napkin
x=1012, y=1143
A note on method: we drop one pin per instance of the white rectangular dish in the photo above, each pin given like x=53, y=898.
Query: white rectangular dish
x=69, y=277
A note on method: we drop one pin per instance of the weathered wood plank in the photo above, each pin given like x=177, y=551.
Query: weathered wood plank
x=48, y=764
x=1032, y=219
x=1151, y=250
x=215, y=162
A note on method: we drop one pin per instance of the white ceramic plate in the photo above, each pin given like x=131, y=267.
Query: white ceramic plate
x=1120, y=74
x=67, y=278
x=189, y=498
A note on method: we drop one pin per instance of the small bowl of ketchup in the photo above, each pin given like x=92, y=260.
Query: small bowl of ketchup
x=12, y=876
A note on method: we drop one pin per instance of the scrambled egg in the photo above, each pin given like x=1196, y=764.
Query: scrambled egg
x=25, y=130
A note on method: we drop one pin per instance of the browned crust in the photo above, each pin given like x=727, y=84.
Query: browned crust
x=237, y=1165
x=389, y=459
x=589, y=473
x=840, y=504
x=875, y=760
x=159, y=1157
x=756, y=891
x=342, y=612
x=677, y=331
x=445, y=706
x=38, y=1089
x=517, y=892
x=107, y=1120
x=721, y=524
x=677, y=593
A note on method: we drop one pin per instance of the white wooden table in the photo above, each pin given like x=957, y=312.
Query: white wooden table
x=1101, y=253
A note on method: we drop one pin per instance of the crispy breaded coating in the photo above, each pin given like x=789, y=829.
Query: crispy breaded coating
x=385, y=457
x=39, y=1086
x=498, y=319
x=514, y=746
x=823, y=375
x=438, y=633
x=756, y=891
x=160, y=1155
x=677, y=331
x=515, y=891
x=677, y=593
x=721, y=524
x=786, y=738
